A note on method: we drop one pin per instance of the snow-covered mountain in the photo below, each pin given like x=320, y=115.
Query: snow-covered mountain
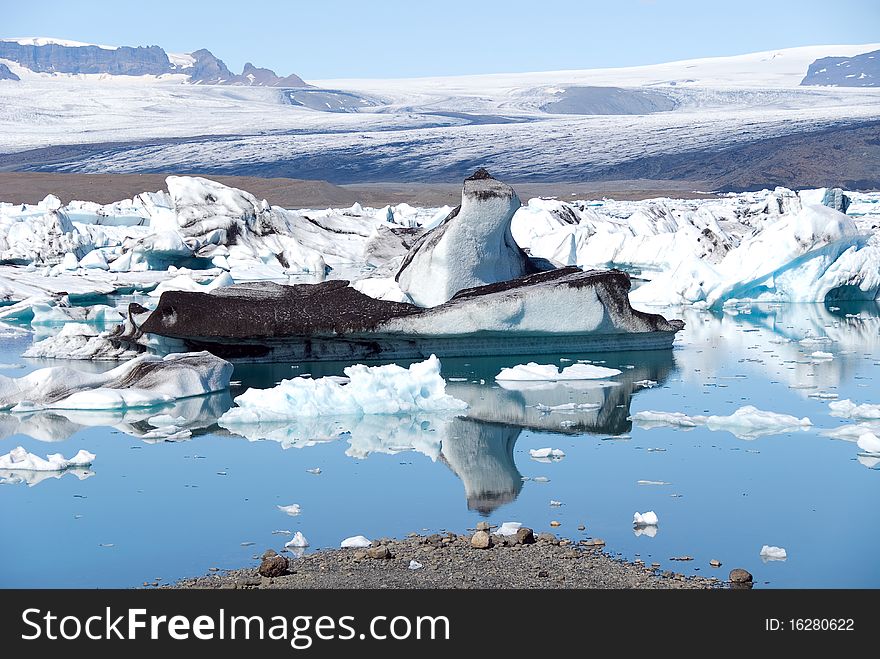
x=859, y=71
x=60, y=57
x=741, y=122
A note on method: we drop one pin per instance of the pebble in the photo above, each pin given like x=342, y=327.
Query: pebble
x=581, y=527
x=268, y=553
x=595, y=542
x=555, y=523
x=543, y=573
x=524, y=536
x=681, y=558
x=715, y=563
x=481, y=540
x=213, y=569
x=547, y=537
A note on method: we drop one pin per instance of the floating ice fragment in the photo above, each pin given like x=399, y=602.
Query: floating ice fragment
x=292, y=510
x=818, y=355
x=549, y=372
x=652, y=483
x=508, y=528
x=18, y=459
x=298, y=540
x=654, y=419
x=647, y=384
x=314, y=470
x=554, y=503
x=645, y=519
x=389, y=389
x=849, y=410
x=540, y=479
x=547, y=452
x=869, y=443
x=769, y=553
x=356, y=541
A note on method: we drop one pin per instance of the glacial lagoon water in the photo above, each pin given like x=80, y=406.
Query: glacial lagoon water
x=165, y=510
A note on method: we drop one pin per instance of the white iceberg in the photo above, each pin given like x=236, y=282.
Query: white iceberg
x=389, y=389
x=748, y=422
x=648, y=518
x=553, y=453
x=770, y=553
x=292, y=510
x=81, y=342
x=653, y=419
x=18, y=459
x=145, y=381
x=355, y=542
x=869, y=443
x=298, y=540
x=508, y=528
x=849, y=410
x=533, y=372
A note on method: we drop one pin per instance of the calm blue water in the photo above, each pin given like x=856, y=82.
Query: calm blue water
x=173, y=509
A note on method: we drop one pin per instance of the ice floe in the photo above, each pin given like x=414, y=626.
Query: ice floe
x=869, y=443
x=850, y=410
x=293, y=509
x=533, y=372
x=144, y=381
x=747, y=422
x=770, y=553
x=547, y=453
x=298, y=540
x=648, y=518
x=18, y=459
x=389, y=389
x=81, y=342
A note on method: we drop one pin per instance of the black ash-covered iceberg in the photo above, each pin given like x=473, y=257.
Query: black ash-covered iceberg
x=565, y=309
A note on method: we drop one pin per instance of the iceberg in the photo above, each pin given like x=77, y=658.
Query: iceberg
x=18, y=459
x=298, y=541
x=389, y=389
x=549, y=372
x=472, y=247
x=564, y=309
x=144, y=381
x=99, y=314
x=769, y=553
x=849, y=410
x=869, y=443
x=645, y=519
x=79, y=341
x=747, y=422
x=551, y=453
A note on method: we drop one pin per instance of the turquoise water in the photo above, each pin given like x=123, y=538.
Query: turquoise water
x=157, y=509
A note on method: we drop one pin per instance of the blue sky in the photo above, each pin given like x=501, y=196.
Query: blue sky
x=398, y=38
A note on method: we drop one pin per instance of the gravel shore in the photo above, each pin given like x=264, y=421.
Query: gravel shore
x=452, y=561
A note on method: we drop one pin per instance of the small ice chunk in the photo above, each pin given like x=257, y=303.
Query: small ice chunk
x=849, y=410
x=554, y=503
x=652, y=483
x=647, y=384
x=298, y=540
x=645, y=519
x=415, y=565
x=869, y=443
x=540, y=479
x=355, y=541
x=769, y=553
x=314, y=470
x=293, y=509
x=654, y=419
x=821, y=356
x=508, y=528
x=547, y=452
